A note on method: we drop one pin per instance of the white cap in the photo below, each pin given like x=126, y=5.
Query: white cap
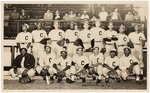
x=26, y=25
x=113, y=50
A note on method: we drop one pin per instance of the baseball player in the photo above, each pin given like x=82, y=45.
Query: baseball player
x=62, y=65
x=85, y=36
x=71, y=35
x=110, y=38
x=122, y=40
x=96, y=60
x=45, y=64
x=138, y=40
x=81, y=64
x=23, y=66
x=24, y=38
x=97, y=35
x=38, y=35
x=57, y=35
x=111, y=63
x=129, y=65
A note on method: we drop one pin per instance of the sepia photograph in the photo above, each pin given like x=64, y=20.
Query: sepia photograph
x=78, y=45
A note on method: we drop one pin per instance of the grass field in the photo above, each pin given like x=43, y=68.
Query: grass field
x=39, y=84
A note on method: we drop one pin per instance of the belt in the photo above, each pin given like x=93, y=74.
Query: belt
x=121, y=45
x=23, y=43
x=97, y=41
x=55, y=40
x=109, y=44
x=71, y=41
x=136, y=44
x=85, y=42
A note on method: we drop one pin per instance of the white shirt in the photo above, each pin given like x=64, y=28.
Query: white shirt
x=122, y=39
x=126, y=62
x=47, y=59
x=81, y=61
x=103, y=16
x=38, y=35
x=96, y=58
x=136, y=37
x=112, y=62
x=24, y=37
x=84, y=16
x=56, y=34
x=64, y=62
x=85, y=35
x=72, y=35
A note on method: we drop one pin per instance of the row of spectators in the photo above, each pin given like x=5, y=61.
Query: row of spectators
x=103, y=15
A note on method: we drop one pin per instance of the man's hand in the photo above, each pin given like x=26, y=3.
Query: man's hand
x=25, y=72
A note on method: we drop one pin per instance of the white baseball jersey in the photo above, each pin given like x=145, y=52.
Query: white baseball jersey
x=24, y=37
x=136, y=37
x=72, y=35
x=84, y=17
x=81, y=61
x=56, y=34
x=126, y=62
x=122, y=39
x=64, y=62
x=109, y=34
x=103, y=16
x=85, y=35
x=112, y=62
x=47, y=59
x=38, y=35
x=96, y=58
x=97, y=33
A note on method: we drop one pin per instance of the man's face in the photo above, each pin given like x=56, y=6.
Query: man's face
x=112, y=54
x=103, y=9
x=48, y=49
x=39, y=25
x=96, y=50
x=72, y=26
x=56, y=25
x=116, y=10
x=49, y=41
x=126, y=52
x=64, y=54
x=121, y=29
x=86, y=26
x=80, y=51
x=110, y=26
x=23, y=52
x=136, y=28
x=97, y=24
x=24, y=28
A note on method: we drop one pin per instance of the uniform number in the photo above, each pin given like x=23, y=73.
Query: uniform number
x=82, y=63
x=26, y=37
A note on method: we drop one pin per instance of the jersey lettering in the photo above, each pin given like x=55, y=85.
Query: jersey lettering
x=100, y=32
x=60, y=34
x=26, y=37
x=76, y=33
x=82, y=63
x=97, y=60
x=113, y=64
x=131, y=61
x=124, y=38
x=66, y=63
x=88, y=35
x=50, y=60
x=140, y=38
x=41, y=34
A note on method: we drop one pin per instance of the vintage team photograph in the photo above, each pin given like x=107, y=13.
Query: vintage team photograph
x=75, y=46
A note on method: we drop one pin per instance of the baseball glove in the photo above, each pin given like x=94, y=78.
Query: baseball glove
x=61, y=42
x=130, y=69
x=25, y=79
x=61, y=74
x=130, y=44
x=112, y=74
x=82, y=73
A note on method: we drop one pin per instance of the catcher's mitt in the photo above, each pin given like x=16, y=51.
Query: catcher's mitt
x=103, y=50
x=82, y=73
x=112, y=74
x=130, y=44
x=114, y=38
x=61, y=42
x=61, y=74
x=130, y=69
x=25, y=79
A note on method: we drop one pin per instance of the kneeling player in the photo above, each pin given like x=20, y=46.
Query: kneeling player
x=81, y=64
x=62, y=66
x=45, y=65
x=129, y=65
x=111, y=66
x=96, y=60
x=23, y=67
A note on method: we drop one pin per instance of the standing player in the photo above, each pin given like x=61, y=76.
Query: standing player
x=71, y=35
x=97, y=35
x=38, y=35
x=56, y=35
x=110, y=38
x=45, y=64
x=96, y=60
x=24, y=38
x=122, y=40
x=111, y=63
x=81, y=63
x=63, y=64
x=138, y=40
x=85, y=36
x=129, y=65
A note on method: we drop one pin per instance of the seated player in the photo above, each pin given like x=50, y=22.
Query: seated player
x=96, y=60
x=129, y=65
x=24, y=38
x=81, y=64
x=23, y=67
x=62, y=66
x=111, y=63
x=45, y=64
